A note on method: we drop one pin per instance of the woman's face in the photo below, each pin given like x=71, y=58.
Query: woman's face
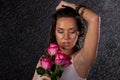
x=66, y=32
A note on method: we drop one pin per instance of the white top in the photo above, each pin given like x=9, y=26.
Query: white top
x=69, y=73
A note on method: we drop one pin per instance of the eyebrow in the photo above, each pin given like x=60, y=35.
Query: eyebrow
x=69, y=28
x=60, y=28
x=72, y=28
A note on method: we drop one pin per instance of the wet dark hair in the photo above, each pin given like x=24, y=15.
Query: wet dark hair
x=65, y=12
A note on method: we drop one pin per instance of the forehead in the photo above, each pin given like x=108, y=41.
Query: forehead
x=66, y=22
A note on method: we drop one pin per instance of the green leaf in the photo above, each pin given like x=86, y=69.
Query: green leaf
x=53, y=67
x=48, y=73
x=40, y=70
x=59, y=73
x=55, y=78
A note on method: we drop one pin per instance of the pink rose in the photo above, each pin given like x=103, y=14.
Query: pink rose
x=67, y=62
x=52, y=49
x=53, y=45
x=62, y=59
x=46, y=63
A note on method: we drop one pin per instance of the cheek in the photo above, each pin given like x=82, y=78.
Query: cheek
x=74, y=38
x=58, y=38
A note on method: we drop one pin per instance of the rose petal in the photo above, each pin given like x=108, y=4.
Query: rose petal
x=52, y=50
x=62, y=59
x=46, y=63
x=53, y=45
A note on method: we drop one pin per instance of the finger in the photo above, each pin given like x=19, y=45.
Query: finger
x=60, y=5
x=63, y=4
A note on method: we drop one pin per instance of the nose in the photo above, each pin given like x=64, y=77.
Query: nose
x=66, y=36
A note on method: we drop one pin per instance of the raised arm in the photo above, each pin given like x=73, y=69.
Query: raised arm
x=92, y=36
x=85, y=57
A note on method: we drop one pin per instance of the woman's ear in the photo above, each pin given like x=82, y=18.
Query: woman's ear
x=78, y=33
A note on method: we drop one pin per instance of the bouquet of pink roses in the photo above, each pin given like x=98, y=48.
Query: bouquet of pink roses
x=53, y=62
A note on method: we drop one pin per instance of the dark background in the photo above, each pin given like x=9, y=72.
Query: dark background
x=24, y=25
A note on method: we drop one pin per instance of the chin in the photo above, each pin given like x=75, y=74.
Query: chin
x=67, y=48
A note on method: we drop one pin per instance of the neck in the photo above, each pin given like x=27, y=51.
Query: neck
x=67, y=52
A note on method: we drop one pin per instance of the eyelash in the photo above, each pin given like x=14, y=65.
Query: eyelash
x=60, y=32
x=69, y=32
x=72, y=31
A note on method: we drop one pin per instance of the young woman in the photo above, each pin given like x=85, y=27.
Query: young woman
x=66, y=32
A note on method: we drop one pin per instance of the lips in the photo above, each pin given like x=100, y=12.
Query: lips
x=66, y=44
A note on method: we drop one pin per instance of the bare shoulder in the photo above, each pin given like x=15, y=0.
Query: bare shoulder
x=35, y=73
x=38, y=64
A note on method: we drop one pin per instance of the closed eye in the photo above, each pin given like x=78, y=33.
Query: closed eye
x=60, y=31
x=72, y=31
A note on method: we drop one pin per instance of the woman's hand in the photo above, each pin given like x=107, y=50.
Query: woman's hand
x=45, y=78
x=63, y=4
